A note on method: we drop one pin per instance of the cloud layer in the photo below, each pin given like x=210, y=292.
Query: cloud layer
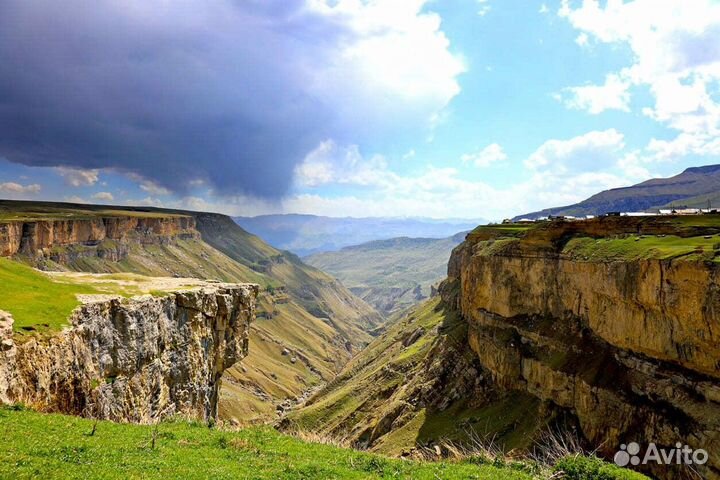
x=676, y=57
x=232, y=94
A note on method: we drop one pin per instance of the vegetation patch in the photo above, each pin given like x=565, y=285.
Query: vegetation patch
x=643, y=247
x=35, y=300
x=56, y=446
x=592, y=468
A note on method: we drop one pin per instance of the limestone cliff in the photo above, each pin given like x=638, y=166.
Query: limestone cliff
x=630, y=348
x=133, y=359
x=62, y=240
x=607, y=328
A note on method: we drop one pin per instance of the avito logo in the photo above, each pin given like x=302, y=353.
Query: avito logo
x=680, y=455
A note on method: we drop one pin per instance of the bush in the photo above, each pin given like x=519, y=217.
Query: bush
x=592, y=468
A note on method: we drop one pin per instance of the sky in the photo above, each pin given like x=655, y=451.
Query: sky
x=413, y=108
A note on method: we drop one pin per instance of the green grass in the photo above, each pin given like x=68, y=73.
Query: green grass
x=14, y=210
x=55, y=446
x=635, y=247
x=34, y=299
x=592, y=468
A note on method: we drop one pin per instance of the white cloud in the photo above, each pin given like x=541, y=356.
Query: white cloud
x=383, y=64
x=483, y=8
x=409, y=154
x=331, y=163
x=582, y=39
x=104, y=196
x=16, y=188
x=593, y=151
x=486, y=156
x=560, y=172
x=613, y=95
x=543, y=9
x=75, y=199
x=77, y=177
x=675, y=48
x=153, y=188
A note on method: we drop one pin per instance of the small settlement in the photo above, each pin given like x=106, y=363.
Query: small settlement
x=662, y=211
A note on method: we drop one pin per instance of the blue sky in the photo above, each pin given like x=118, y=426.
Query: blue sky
x=462, y=108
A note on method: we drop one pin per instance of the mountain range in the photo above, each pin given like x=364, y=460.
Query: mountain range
x=695, y=187
x=308, y=234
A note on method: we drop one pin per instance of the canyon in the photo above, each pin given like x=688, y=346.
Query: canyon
x=299, y=309
x=608, y=329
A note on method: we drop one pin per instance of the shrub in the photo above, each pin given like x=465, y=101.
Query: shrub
x=592, y=468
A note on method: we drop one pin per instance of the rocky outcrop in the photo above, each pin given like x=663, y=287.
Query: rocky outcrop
x=631, y=349
x=64, y=240
x=133, y=360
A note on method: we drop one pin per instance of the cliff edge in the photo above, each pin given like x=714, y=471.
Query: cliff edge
x=613, y=322
x=135, y=359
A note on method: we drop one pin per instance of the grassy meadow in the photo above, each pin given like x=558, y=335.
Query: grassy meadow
x=34, y=298
x=52, y=446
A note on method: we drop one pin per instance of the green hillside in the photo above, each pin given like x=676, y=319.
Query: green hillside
x=393, y=274
x=30, y=295
x=60, y=447
x=392, y=398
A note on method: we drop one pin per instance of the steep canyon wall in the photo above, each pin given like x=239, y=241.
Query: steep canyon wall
x=631, y=349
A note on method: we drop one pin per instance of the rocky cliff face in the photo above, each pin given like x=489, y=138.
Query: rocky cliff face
x=133, y=360
x=104, y=237
x=631, y=349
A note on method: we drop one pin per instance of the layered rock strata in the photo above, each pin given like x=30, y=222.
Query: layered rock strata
x=631, y=349
x=105, y=237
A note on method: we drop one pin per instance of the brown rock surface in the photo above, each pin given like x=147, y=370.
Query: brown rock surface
x=630, y=348
x=38, y=238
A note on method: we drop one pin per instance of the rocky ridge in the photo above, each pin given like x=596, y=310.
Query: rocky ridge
x=133, y=359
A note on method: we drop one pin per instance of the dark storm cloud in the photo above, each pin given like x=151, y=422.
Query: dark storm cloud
x=174, y=91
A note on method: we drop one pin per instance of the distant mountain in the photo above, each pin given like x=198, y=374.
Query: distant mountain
x=393, y=274
x=692, y=188
x=308, y=234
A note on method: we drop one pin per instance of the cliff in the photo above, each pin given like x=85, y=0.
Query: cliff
x=315, y=318
x=133, y=360
x=616, y=332
x=63, y=240
x=608, y=330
